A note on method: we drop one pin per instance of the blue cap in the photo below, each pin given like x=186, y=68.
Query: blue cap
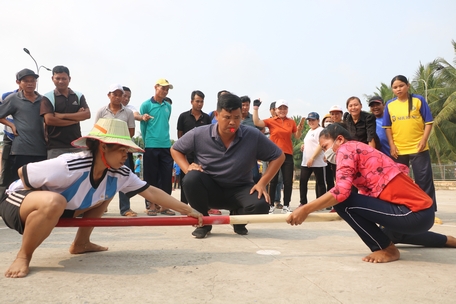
x=313, y=115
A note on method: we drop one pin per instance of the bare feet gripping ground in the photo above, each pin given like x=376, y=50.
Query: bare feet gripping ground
x=389, y=254
x=87, y=247
x=19, y=268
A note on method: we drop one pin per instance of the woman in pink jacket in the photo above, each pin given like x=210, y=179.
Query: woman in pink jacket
x=389, y=208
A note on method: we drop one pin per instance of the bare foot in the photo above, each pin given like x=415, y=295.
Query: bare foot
x=389, y=254
x=451, y=241
x=88, y=247
x=19, y=268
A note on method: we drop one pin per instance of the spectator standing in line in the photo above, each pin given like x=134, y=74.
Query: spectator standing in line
x=361, y=125
x=221, y=176
x=24, y=106
x=158, y=163
x=126, y=103
x=281, y=129
x=177, y=172
x=63, y=109
x=187, y=121
x=277, y=197
x=212, y=113
x=247, y=120
x=138, y=165
x=8, y=136
x=377, y=107
x=408, y=123
x=336, y=113
x=312, y=159
x=123, y=199
x=329, y=174
x=115, y=109
x=326, y=121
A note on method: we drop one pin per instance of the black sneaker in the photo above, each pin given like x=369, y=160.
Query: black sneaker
x=202, y=232
x=240, y=229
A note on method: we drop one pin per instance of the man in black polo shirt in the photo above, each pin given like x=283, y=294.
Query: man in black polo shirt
x=189, y=120
x=62, y=110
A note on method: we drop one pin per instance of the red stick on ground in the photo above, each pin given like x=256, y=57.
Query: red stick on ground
x=185, y=220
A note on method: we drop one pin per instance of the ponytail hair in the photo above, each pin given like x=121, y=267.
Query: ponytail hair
x=93, y=145
x=410, y=98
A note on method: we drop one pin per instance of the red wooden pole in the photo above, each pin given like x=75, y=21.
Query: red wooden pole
x=185, y=220
x=142, y=221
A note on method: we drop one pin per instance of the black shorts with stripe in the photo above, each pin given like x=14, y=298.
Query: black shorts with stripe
x=9, y=209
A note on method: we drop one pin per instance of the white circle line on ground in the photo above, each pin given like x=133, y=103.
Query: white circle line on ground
x=268, y=252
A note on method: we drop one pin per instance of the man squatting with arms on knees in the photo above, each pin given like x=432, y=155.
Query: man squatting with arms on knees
x=221, y=175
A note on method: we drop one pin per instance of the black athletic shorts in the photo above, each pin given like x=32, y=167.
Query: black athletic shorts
x=9, y=209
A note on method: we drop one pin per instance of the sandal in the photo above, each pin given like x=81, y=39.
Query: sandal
x=151, y=212
x=167, y=212
x=130, y=213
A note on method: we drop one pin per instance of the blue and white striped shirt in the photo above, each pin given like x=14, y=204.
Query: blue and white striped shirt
x=69, y=175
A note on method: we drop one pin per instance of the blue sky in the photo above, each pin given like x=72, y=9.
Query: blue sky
x=314, y=54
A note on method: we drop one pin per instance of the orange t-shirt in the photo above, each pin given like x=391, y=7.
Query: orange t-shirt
x=280, y=131
x=401, y=190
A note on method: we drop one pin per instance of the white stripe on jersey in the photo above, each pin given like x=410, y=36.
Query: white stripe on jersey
x=69, y=175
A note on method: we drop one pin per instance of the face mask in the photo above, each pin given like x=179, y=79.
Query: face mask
x=327, y=123
x=330, y=155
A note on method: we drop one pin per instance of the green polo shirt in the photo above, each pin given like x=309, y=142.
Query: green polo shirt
x=155, y=131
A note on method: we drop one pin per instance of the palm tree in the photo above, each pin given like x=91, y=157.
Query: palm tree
x=439, y=78
x=444, y=129
x=384, y=91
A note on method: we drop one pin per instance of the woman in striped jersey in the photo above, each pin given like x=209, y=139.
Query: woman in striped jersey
x=72, y=185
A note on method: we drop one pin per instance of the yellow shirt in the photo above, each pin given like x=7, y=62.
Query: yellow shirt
x=407, y=129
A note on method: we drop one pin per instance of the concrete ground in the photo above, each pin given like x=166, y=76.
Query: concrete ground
x=317, y=262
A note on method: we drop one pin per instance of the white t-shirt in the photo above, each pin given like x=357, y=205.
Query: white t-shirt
x=69, y=175
x=311, y=142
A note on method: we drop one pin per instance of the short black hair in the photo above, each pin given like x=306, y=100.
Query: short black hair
x=197, y=93
x=126, y=89
x=222, y=92
x=334, y=130
x=245, y=99
x=60, y=69
x=228, y=102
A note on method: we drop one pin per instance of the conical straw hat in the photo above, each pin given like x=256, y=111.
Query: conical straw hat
x=109, y=131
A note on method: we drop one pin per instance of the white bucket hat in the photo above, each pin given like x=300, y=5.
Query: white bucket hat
x=109, y=131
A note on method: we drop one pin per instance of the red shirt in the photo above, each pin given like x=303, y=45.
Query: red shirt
x=280, y=131
x=375, y=175
x=414, y=198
